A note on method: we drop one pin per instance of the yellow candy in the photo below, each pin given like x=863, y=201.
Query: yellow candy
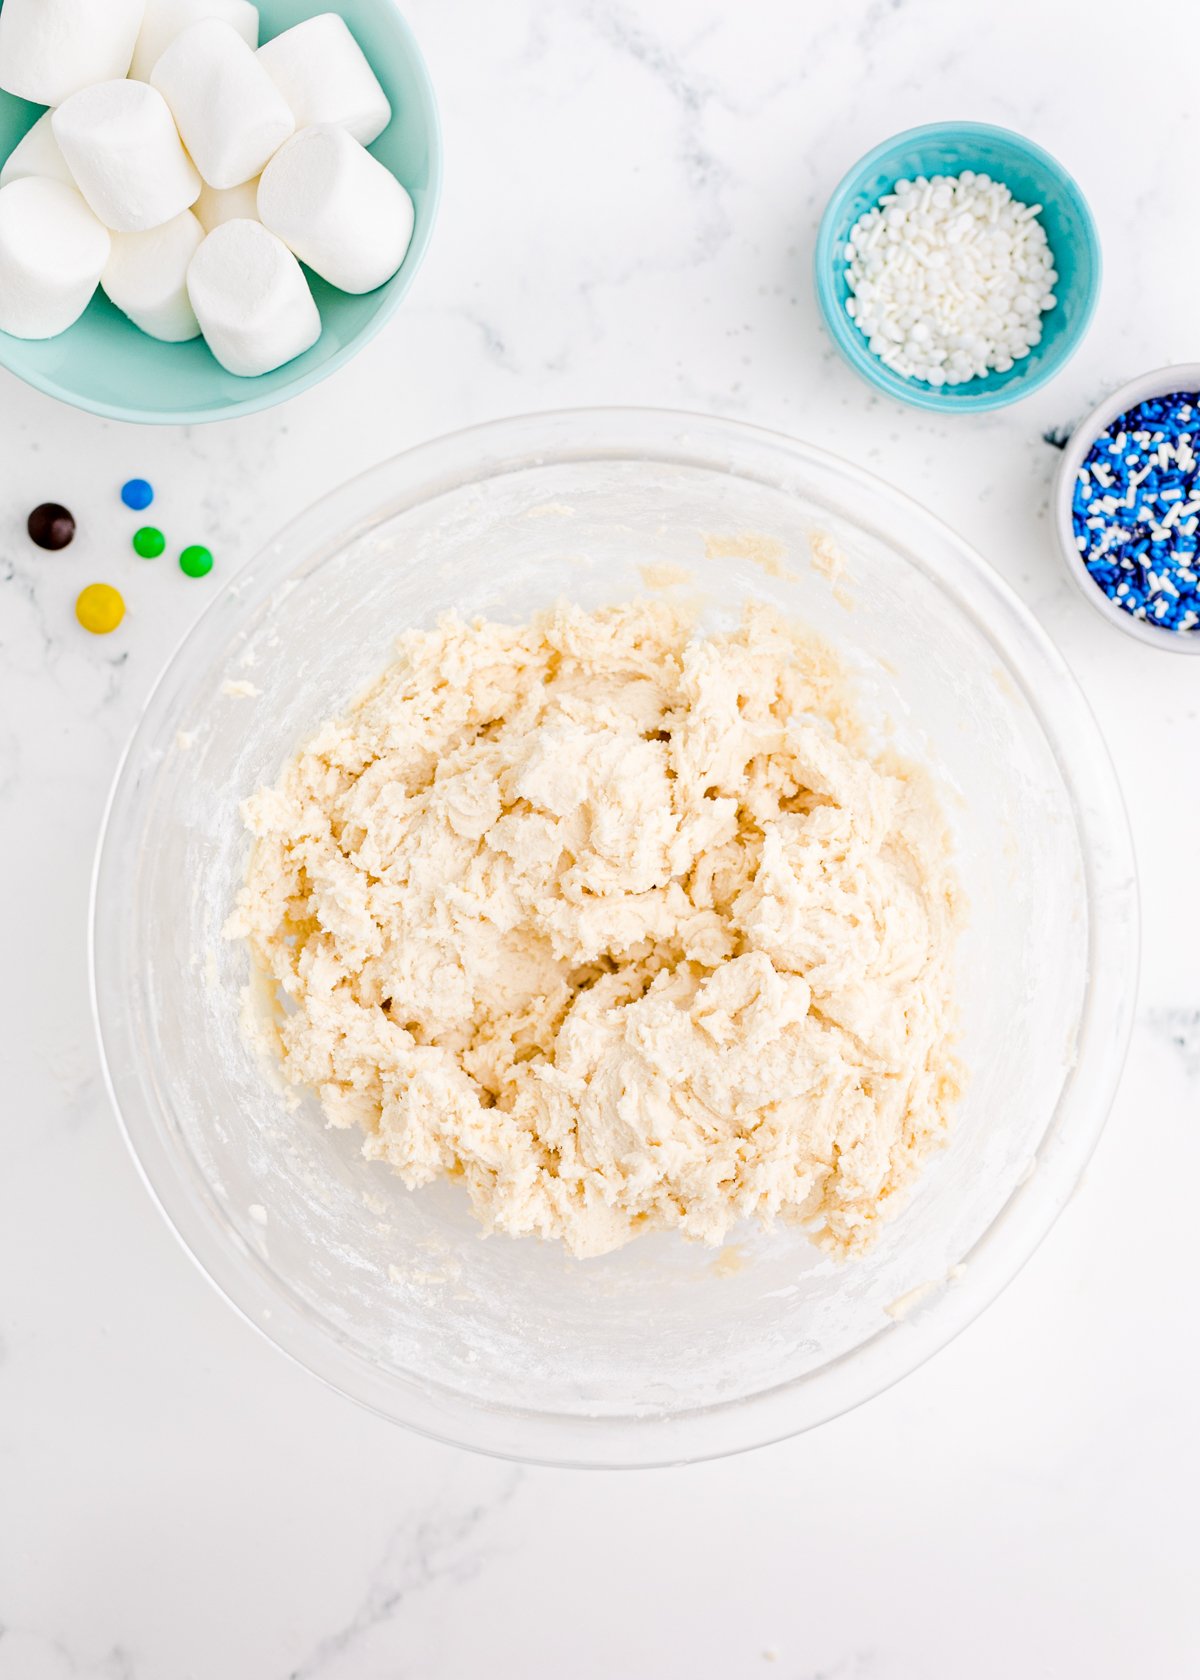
x=100, y=608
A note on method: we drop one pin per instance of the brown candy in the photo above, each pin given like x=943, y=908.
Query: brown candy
x=51, y=525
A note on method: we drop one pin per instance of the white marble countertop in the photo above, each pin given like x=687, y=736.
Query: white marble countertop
x=632, y=195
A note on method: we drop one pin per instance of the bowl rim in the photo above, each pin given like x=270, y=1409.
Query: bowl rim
x=849, y=341
x=496, y=448
x=1158, y=382
x=395, y=291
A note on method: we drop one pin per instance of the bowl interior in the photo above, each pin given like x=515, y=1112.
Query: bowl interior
x=661, y=1350
x=1035, y=178
x=105, y=364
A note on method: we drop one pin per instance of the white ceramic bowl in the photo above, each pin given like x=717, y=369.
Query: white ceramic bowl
x=1182, y=376
x=656, y=1353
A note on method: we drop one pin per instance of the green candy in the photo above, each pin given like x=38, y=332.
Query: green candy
x=149, y=542
x=196, y=560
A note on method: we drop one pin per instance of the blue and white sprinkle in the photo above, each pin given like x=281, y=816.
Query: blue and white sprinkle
x=1136, y=511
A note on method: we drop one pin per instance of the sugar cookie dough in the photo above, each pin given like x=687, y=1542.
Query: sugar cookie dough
x=621, y=925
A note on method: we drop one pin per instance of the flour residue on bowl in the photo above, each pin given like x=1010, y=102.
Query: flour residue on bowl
x=765, y=552
x=661, y=574
x=621, y=925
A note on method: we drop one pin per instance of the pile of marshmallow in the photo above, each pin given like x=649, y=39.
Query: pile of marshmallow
x=184, y=169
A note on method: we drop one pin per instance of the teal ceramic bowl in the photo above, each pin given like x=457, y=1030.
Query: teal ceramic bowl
x=104, y=364
x=1034, y=177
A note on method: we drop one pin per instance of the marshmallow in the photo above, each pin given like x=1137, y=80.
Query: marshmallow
x=121, y=146
x=49, y=49
x=167, y=18
x=146, y=277
x=52, y=252
x=227, y=204
x=230, y=113
x=251, y=299
x=37, y=154
x=337, y=207
x=320, y=70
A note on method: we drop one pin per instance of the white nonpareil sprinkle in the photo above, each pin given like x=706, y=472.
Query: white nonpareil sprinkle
x=950, y=276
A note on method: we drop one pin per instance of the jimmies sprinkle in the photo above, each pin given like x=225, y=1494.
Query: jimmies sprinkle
x=1136, y=511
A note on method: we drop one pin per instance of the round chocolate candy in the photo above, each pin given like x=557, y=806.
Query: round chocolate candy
x=100, y=608
x=196, y=560
x=51, y=525
x=149, y=542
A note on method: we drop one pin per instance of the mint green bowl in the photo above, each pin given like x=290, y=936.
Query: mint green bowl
x=104, y=364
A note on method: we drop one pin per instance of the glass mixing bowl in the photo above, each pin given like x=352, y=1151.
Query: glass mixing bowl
x=664, y=1351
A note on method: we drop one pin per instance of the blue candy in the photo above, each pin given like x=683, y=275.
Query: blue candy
x=137, y=494
x=1136, y=511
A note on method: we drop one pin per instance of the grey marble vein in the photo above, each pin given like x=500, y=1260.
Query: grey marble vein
x=1181, y=1030
x=442, y=1544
